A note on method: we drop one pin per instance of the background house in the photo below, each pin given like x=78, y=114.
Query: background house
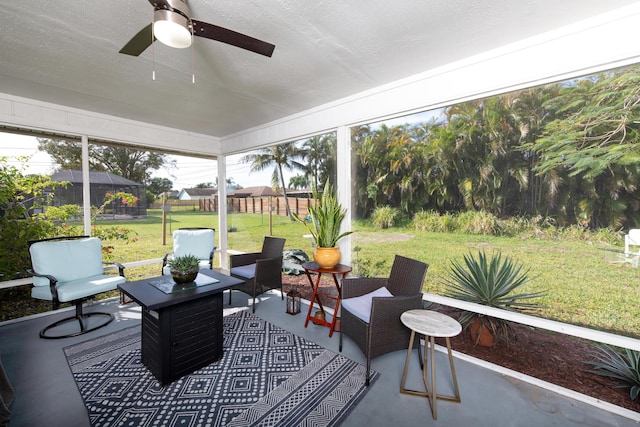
x=259, y=191
x=197, y=193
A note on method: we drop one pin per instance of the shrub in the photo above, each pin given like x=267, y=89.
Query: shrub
x=513, y=226
x=477, y=222
x=385, y=217
x=18, y=225
x=427, y=221
x=432, y=221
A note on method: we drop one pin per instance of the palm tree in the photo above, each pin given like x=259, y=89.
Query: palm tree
x=280, y=157
x=298, y=182
x=320, y=151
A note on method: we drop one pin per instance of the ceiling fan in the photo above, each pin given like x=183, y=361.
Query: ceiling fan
x=173, y=26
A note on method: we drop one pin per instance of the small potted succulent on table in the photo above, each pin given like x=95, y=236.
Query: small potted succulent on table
x=184, y=268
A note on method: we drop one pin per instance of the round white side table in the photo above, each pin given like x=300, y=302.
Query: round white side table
x=430, y=324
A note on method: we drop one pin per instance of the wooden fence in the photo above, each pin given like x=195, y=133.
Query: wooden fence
x=178, y=205
x=260, y=205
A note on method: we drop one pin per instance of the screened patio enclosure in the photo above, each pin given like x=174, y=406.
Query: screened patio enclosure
x=102, y=183
x=324, y=76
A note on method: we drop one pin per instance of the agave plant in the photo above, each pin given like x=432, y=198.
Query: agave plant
x=622, y=367
x=326, y=217
x=184, y=263
x=492, y=281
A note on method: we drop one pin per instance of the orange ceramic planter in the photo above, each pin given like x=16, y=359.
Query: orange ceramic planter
x=481, y=334
x=327, y=257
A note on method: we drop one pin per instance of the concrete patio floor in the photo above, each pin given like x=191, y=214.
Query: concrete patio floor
x=46, y=394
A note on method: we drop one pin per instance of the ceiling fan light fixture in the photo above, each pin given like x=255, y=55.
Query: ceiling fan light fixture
x=171, y=28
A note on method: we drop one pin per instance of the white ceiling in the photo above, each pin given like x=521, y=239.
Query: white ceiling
x=66, y=53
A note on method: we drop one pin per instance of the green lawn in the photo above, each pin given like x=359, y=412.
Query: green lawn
x=584, y=284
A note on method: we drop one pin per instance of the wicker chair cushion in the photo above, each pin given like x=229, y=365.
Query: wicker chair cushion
x=361, y=306
x=245, y=271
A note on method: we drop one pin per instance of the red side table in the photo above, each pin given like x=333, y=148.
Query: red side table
x=338, y=270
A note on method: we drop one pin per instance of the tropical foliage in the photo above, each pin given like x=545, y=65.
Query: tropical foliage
x=492, y=281
x=622, y=367
x=568, y=151
x=320, y=155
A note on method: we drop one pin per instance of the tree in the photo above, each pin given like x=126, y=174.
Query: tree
x=159, y=185
x=392, y=165
x=205, y=185
x=501, y=171
x=280, y=157
x=298, y=182
x=320, y=154
x=597, y=125
x=123, y=161
x=231, y=183
x=595, y=139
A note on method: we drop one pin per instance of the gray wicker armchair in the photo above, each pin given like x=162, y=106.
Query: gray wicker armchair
x=372, y=321
x=261, y=271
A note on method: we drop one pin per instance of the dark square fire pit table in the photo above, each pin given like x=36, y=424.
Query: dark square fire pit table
x=181, y=323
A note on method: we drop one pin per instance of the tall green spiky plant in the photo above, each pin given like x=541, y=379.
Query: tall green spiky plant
x=326, y=218
x=492, y=281
x=184, y=263
x=622, y=367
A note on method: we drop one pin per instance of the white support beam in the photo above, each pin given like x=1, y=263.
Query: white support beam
x=24, y=113
x=343, y=187
x=222, y=212
x=86, y=186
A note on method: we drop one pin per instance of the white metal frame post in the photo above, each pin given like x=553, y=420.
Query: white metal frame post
x=222, y=212
x=343, y=187
x=86, y=186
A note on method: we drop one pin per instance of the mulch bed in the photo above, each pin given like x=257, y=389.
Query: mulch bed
x=556, y=358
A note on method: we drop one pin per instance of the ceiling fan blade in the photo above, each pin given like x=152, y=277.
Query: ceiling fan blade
x=233, y=38
x=140, y=42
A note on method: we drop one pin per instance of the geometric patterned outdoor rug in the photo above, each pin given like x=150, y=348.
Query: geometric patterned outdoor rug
x=267, y=376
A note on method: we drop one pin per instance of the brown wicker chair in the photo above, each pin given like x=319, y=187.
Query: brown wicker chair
x=261, y=271
x=383, y=332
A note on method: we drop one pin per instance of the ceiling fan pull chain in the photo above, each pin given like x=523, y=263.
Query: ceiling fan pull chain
x=193, y=62
x=153, y=53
